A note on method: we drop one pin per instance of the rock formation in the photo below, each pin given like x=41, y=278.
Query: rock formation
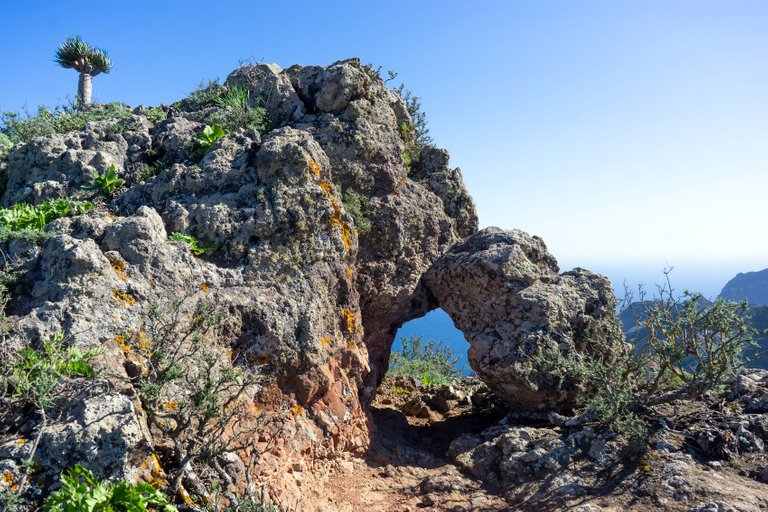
x=503, y=291
x=308, y=298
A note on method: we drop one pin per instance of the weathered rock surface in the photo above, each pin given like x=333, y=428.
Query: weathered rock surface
x=310, y=299
x=503, y=291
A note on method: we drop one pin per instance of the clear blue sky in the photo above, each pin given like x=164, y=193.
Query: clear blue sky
x=622, y=132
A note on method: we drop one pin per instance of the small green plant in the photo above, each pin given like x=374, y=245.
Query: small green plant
x=155, y=115
x=147, y=171
x=82, y=492
x=198, y=248
x=23, y=216
x=430, y=362
x=205, y=95
x=106, y=182
x=5, y=146
x=415, y=135
x=210, y=134
x=33, y=375
x=359, y=208
x=61, y=119
x=235, y=111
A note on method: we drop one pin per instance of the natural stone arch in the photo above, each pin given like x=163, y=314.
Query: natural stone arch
x=504, y=291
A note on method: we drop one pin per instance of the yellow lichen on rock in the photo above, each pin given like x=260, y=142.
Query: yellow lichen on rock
x=326, y=341
x=346, y=232
x=314, y=168
x=349, y=320
x=122, y=298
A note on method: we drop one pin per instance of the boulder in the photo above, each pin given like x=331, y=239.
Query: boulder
x=503, y=291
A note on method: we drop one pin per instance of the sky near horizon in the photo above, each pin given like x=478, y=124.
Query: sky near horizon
x=617, y=131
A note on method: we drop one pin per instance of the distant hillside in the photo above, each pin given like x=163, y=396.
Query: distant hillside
x=752, y=286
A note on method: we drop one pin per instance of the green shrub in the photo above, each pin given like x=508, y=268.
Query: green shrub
x=61, y=119
x=192, y=392
x=359, y=208
x=236, y=112
x=415, y=135
x=22, y=216
x=82, y=492
x=198, y=248
x=155, y=115
x=431, y=362
x=5, y=146
x=692, y=347
x=106, y=182
x=210, y=135
x=204, y=96
x=232, y=104
x=33, y=375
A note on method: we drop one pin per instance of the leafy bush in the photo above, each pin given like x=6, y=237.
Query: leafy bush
x=33, y=375
x=198, y=248
x=106, y=182
x=204, y=96
x=358, y=207
x=191, y=391
x=5, y=145
x=27, y=217
x=82, y=492
x=61, y=119
x=432, y=362
x=692, y=347
x=416, y=135
x=155, y=115
x=232, y=104
x=210, y=134
x=236, y=112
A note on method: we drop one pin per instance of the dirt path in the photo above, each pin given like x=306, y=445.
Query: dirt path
x=405, y=470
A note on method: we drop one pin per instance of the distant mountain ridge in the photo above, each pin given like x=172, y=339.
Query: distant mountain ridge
x=752, y=286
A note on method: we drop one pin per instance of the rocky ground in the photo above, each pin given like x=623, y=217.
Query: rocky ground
x=458, y=448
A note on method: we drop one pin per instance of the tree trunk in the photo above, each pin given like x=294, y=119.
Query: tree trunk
x=84, y=90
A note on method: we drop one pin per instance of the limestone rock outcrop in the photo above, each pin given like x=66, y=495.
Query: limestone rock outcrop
x=503, y=291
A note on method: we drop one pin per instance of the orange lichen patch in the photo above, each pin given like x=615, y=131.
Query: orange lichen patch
x=336, y=222
x=157, y=475
x=21, y=442
x=120, y=269
x=296, y=410
x=125, y=300
x=314, y=168
x=350, y=272
x=396, y=190
x=326, y=341
x=9, y=481
x=349, y=320
x=171, y=407
x=205, y=287
x=186, y=498
x=121, y=342
x=132, y=341
x=351, y=345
